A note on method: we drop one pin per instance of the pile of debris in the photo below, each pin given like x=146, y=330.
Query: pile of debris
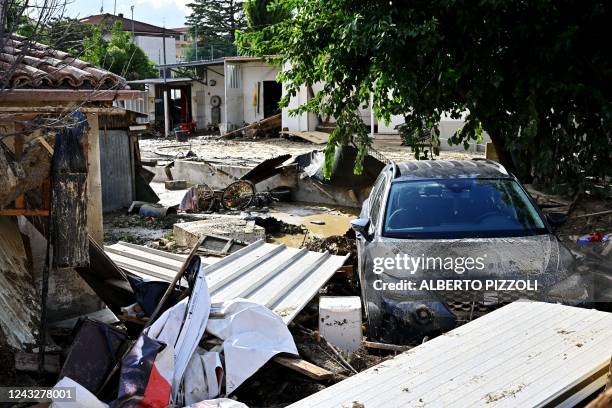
x=203, y=330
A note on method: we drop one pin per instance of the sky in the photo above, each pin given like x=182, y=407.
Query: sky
x=158, y=12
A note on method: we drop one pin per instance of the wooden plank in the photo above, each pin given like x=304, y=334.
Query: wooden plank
x=264, y=123
x=384, y=346
x=304, y=367
x=315, y=137
x=29, y=362
x=14, y=212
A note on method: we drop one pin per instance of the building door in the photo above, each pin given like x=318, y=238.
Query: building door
x=200, y=110
x=272, y=92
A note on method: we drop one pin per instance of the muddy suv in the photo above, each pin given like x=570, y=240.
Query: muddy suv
x=469, y=238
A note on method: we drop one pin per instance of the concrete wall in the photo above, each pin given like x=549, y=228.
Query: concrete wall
x=297, y=123
x=447, y=128
x=201, y=94
x=253, y=73
x=154, y=49
x=241, y=95
x=234, y=95
x=219, y=177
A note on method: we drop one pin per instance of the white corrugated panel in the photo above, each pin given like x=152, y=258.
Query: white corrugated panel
x=526, y=354
x=280, y=277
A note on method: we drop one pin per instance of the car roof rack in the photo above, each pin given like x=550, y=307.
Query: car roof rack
x=494, y=163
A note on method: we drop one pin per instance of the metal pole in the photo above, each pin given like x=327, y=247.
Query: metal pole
x=371, y=115
x=115, y=8
x=133, y=37
x=196, y=43
x=166, y=108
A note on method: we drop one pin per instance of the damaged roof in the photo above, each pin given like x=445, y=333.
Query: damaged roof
x=26, y=64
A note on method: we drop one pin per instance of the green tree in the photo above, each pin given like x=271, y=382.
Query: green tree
x=118, y=55
x=216, y=20
x=259, y=15
x=535, y=75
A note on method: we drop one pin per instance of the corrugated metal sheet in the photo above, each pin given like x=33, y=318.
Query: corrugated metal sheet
x=280, y=277
x=522, y=355
x=116, y=169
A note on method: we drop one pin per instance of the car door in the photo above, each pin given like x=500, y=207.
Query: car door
x=371, y=210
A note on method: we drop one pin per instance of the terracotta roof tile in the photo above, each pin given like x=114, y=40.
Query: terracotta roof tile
x=28, y=64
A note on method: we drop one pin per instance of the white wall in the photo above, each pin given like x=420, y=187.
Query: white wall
x=201, y=113
x=241, y=101
x=154, y=49
x=252, y=73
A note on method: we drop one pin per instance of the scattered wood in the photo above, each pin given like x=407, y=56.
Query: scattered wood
x=345, y=270
x=147, y=163
x=315, y=137
x=266, y=169
x=304, y=367
x=384, y=346
x=593, y=214
x=29, y=362
x=264, y=125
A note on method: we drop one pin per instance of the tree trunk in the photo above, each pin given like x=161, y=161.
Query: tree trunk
x=27, y=174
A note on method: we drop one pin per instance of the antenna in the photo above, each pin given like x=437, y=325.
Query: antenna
x=101, y=6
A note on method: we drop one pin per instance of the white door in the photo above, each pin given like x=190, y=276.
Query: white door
x=201, y=111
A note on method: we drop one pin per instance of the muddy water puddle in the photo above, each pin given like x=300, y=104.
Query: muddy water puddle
x=320, y=221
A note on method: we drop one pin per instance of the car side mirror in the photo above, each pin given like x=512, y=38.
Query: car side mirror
x=556, y=219
x=361, y=226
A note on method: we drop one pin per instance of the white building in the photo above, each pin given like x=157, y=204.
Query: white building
x=149, y=37
x=228, y=92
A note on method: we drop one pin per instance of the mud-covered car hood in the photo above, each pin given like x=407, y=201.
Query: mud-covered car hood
x=539, y=255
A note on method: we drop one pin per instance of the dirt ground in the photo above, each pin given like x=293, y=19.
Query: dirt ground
x=249, y=152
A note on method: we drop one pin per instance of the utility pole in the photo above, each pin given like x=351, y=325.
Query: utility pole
x=133, y=37
x=115, y=8
x=196, y=42
x=166, y=107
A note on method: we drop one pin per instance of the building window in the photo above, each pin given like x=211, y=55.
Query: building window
x=234, y=75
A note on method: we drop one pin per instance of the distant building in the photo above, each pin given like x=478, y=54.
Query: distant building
x=147, y=36
x=182, y=43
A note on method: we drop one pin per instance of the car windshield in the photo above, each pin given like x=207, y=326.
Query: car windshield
x=460, y=208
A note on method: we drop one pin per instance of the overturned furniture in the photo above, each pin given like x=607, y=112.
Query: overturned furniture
x=525, y=354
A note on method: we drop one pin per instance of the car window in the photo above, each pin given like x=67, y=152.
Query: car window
x=376, y=199
x=456, y=208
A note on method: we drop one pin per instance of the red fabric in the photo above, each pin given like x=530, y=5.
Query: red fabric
x=157, y=393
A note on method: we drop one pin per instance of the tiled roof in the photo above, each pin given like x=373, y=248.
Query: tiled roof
x=126, y=24
x=42, y=67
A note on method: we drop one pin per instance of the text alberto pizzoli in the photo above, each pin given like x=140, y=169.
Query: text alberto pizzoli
x=459, y=265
